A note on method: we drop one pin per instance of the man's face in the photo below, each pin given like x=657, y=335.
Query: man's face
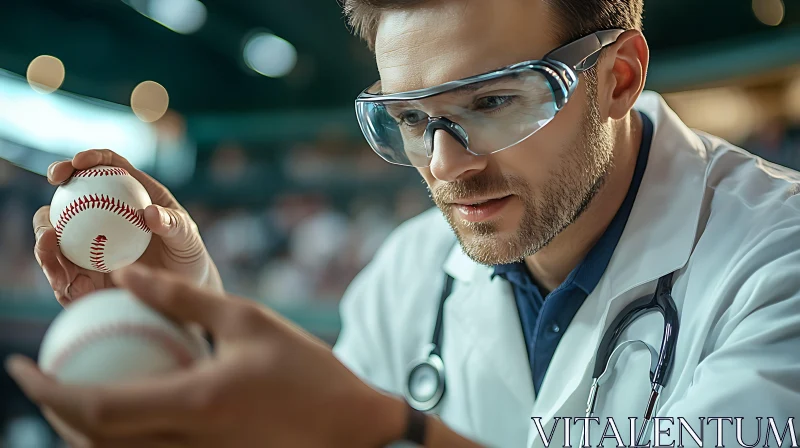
x=537, y=187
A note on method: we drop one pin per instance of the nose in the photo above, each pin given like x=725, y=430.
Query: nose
x=451, y=161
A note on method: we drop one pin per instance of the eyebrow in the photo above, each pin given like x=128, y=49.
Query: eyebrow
x=468, y=88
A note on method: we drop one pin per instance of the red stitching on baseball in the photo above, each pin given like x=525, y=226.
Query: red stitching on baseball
x=96, y=257
x=178, y=352
x=95, y=172
x=103, y=202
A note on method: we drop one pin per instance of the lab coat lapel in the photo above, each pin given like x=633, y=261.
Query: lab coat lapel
x=658, y=238
x=484, y=315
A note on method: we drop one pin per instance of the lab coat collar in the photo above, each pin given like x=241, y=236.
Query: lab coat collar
x=662, y=228
x=660, y=232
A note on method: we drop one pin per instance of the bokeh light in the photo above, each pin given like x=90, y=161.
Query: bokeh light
x=728, y=112
x=270, y=55
x=149, y=101
x=45, y=74
x=769, y=12
x=181, y=16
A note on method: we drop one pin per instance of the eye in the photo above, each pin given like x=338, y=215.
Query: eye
x=413, y=117
x=490, y=103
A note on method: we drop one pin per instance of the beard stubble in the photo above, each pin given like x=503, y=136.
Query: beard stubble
x=573, y=183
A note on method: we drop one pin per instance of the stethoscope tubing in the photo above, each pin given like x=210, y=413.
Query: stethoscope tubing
x=660, y=301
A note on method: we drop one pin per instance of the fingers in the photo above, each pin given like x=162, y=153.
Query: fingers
x=48, y=255
x=166, y=403
x=93, y=157
x=68, y=281
x=77, y=440
x=175, y=297
x=46, y=252
x=178, y=232
x=59, y=172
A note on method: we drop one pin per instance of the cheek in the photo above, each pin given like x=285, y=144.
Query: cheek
x=543, y=152
x=535, y=158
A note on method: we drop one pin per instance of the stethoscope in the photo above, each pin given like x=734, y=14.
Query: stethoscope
x=425, y=386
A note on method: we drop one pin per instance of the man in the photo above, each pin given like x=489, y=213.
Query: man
x=560, y=203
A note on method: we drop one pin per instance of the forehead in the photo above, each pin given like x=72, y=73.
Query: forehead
x=445, y=40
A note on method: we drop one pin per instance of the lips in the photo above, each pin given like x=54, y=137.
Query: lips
x=479, y=210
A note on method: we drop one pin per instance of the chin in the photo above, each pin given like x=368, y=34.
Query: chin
x=500, y=228
x=490, y=246
x=491, y=242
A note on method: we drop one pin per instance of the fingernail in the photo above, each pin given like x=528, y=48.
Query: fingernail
x=50, y=169
x=166, y=219
x=39, y=233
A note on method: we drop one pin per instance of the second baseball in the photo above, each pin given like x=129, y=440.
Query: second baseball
x=99, y=218
x=110, y=336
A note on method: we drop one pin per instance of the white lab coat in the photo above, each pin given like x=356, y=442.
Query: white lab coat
x=726, y=221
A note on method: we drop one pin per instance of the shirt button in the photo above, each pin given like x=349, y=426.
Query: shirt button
x=555, y=328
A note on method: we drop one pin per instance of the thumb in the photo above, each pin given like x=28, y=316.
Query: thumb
x=33, y=382
x=175, y=228
x=176, y=298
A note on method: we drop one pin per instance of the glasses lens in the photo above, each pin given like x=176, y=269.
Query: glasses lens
x=495, y=114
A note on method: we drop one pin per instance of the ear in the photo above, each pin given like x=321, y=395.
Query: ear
x=624, y=73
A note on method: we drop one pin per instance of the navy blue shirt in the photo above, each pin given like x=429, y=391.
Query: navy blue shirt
x=544, y=320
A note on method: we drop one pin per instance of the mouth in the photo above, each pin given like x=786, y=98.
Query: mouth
x=480, y=209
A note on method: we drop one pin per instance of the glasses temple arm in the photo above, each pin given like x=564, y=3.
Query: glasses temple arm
x=583, y=54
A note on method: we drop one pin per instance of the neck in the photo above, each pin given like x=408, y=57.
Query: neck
x=551, y=265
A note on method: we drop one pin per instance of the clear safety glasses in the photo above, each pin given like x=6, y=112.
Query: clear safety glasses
x=485, y=113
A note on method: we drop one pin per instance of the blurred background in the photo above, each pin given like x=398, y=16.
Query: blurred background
x=243, y=108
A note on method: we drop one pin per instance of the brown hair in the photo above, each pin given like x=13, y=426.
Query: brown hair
x=578, y=17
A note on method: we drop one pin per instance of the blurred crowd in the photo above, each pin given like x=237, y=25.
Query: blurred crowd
x=779, y=142
x=299, y=243
x=291, y=245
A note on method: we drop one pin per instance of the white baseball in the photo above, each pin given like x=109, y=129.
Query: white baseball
x=99, y=218
x=110, y=336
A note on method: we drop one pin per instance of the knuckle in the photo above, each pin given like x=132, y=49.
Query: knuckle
x=86, y=151
x=61, y=298
x=106, y=156
x=183, y=216
x=109, y=156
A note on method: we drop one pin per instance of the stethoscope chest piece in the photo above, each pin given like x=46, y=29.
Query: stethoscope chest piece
x=425, y=384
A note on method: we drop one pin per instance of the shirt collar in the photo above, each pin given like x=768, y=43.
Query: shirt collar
x=587, y=274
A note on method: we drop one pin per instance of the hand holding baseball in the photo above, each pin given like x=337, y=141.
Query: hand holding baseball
x=268, y=384
x=175, y=244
